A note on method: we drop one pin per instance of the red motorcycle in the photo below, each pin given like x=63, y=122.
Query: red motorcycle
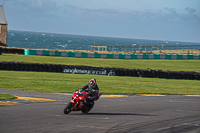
x=80, y=102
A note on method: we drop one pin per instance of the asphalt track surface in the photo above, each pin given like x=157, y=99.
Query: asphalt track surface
x=135, y=114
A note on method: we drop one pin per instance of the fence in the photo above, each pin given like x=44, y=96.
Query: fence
x=144, y=48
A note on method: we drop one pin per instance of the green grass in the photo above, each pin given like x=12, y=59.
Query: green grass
x=67, y=83
x=6, y=96
x=62, y=82
x=175, y=65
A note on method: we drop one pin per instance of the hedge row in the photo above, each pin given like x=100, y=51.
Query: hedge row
x=16, y=66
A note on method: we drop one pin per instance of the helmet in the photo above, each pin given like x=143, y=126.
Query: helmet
x=92, y=82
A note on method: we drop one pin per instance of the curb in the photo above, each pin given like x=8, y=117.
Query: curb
x=24, y=100
x=35, y=99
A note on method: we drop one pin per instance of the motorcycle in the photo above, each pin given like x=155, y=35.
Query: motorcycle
x=80, y=102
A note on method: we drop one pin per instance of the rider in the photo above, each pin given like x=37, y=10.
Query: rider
x=93, y=89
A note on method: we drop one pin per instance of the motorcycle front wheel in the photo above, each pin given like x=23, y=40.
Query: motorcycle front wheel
x=67, y=109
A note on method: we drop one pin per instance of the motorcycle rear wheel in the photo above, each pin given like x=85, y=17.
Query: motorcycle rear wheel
x=88, y=108
x=67, y=109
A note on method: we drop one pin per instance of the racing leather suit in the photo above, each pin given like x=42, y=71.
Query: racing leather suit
x=93, y=91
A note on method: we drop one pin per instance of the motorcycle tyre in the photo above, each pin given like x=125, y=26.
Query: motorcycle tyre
x=67, y=109
x=85, y=111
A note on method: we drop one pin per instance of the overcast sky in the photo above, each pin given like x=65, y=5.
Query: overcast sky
x=172, y=20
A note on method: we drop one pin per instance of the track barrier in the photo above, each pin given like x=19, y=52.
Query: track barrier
x=12, y=50
x=97, y=55
x=19, y=66
x=0, y=51
x=110, y=55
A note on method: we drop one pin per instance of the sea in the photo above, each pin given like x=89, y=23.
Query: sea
x=41, y=40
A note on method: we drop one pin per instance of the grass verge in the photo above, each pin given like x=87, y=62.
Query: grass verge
x=67, y=83
x=174, y=65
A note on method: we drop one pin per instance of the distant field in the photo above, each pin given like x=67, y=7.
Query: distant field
x=175, y=65
x=63, y=82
